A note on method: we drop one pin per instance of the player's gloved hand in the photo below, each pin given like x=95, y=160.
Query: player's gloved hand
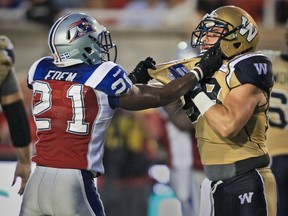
x=210, y=62
x=190, y=95
x=189, y=107
x=140, y=73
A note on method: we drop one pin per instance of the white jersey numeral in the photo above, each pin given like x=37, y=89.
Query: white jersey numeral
x=43, y=105
x=75, y=94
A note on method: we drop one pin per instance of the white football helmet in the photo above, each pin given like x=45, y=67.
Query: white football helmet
x=240, y=32
x=78, y=38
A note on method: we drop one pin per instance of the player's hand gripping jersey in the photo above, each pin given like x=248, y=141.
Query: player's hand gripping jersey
x=250, y=141
x=72, y=111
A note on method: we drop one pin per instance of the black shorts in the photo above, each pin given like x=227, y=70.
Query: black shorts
x=250, y=194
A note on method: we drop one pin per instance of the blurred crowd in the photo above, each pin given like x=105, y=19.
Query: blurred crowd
x=45, y=11
x=138, y=140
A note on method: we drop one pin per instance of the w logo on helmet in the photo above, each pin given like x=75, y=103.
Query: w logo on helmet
x=80, y=29
x=248, y=27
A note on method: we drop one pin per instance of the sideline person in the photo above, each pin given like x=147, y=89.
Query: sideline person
x=11, y=99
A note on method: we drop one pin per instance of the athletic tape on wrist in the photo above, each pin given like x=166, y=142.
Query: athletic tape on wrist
x=197, y=71
x=203, y=102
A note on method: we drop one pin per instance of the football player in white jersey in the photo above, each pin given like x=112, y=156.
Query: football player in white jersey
x=277, y=134
x=11, y=100
x=229, y=111
x=75, y=94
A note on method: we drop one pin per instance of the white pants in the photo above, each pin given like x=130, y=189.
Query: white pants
x=61, y=192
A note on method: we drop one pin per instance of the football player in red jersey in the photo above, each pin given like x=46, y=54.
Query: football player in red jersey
x=75, y=94
x=11, y=100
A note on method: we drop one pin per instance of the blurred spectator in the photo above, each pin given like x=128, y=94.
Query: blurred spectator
x=182, y=14
x=68, y=3
x=281, y=8
x=130, y=151
x=277, y=133
x=206, y=6
x=42, y=11
x=152, y=13
x=253, y=7
x=11, y=3
x=95, y=3
x=117, y=4
x=11, y=99
x=186, y=172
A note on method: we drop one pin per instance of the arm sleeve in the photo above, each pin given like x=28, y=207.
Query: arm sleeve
x=18, y=123
x=9, y=85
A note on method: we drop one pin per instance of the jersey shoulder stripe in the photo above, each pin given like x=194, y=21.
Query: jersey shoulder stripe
x=97, y=76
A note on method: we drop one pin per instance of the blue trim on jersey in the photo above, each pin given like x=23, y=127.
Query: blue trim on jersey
x=47, y=70
x=91, y=193
x=117, y=82
x=114, y=83
x=113, y=102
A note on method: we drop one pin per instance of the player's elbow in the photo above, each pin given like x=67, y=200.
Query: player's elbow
x=227, y=131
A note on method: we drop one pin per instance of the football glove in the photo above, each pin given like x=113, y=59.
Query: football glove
x=190, y=95
x=210, y=62
x=140, y=73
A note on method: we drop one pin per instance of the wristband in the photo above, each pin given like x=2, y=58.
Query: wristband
x=133, y=78
x=197, y=71
x=203, y=102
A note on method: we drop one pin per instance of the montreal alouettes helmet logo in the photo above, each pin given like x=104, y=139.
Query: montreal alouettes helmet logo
x=80, y=29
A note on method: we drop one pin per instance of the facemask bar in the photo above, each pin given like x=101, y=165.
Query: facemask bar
x=207, y=25
x=104, y=41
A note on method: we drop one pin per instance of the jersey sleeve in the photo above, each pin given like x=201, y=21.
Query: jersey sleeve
x=116, y=82
x=110, y=78
x=32, y=72
x=10, y=84
x=253, y=69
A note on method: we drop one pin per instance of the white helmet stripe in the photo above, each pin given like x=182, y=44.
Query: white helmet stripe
x=52, y=36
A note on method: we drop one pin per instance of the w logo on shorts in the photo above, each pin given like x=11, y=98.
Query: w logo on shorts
x=246, y=197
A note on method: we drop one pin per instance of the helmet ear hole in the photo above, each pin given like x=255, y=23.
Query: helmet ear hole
x=68, y=35
x=237, y=45
x=88, y=49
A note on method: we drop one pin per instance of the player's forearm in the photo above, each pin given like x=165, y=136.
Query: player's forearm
x=18, y=123
x=145, y=97
x=24, y=154
x=11, y=98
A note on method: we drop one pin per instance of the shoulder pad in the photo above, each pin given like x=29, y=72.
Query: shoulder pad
x=255, y=69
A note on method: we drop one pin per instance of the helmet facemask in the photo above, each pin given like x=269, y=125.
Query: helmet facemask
x=104, y=46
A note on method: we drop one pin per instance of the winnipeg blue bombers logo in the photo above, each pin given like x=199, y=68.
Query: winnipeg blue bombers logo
x=249, y=28
x=80, y=28
x=246, y=198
